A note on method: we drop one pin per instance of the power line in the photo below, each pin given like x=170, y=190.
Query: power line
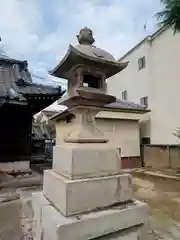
x=4, y=54
x=44, y=78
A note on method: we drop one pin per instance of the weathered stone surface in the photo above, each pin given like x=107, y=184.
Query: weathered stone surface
x=77, y=196
x=86, y=131
x=38, y=203
x=133, y=233
x=94, y=224
x=10, y=220
x=89, y=160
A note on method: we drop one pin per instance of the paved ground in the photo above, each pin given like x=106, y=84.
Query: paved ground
x=16, y=214
x=163, y=197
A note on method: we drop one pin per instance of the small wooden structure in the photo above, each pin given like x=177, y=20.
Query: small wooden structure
x=43, y=140
x=20, y=99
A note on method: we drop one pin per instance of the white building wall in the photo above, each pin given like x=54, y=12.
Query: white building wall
x=165, y=87
x=160, y=81
x=131, y=79
x=135, y=81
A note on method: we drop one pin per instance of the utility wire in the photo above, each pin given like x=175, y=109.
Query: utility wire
x=44, y=78
x=3, y=53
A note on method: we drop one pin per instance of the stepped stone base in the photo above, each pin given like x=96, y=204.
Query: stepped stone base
x=85, y=161
x=133, y=233
x=77, y=196
x=51, y=224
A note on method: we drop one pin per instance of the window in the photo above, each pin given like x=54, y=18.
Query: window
x=124, y=95
x=141, y=63
x=145, y=141
x=144, y=101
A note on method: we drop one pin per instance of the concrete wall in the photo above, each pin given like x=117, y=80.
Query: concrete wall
x=159, y=157
x=159, y=81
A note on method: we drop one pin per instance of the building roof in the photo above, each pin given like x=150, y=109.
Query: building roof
x=16, y=82
x=39, y=89
x=5, y=58
x=49, y=113
x=147, y=38
x=121, y=104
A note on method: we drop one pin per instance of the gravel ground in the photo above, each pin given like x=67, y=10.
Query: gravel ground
x=163, y=197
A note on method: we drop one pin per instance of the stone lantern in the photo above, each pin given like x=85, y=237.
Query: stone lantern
x=86, y=195
x=86, y=69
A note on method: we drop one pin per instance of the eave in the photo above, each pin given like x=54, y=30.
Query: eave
x=74, y=57
x=11, y=60
x=67, y=113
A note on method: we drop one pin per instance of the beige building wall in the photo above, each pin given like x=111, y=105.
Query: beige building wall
x=159, y=80
x=123, y=134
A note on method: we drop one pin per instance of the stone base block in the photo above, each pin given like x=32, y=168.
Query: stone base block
x=85, y=161
x=77, y=196
x=95, y=224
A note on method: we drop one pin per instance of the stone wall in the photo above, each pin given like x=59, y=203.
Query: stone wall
x=161, y=156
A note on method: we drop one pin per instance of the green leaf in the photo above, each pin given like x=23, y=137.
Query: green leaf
x=170, y=15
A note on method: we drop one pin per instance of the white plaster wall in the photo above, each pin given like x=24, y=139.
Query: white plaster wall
x=165, y=87
x=131, y=79
x=160, y=81
x=135, y=81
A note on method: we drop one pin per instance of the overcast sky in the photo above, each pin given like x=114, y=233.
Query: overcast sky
x=41, y=30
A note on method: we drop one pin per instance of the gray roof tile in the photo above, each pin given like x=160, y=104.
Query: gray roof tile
x=122, y=104
x=16, y=81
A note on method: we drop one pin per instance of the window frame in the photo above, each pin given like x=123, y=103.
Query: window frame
x=124, y=95
x=144, y=101
x=141, y=63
